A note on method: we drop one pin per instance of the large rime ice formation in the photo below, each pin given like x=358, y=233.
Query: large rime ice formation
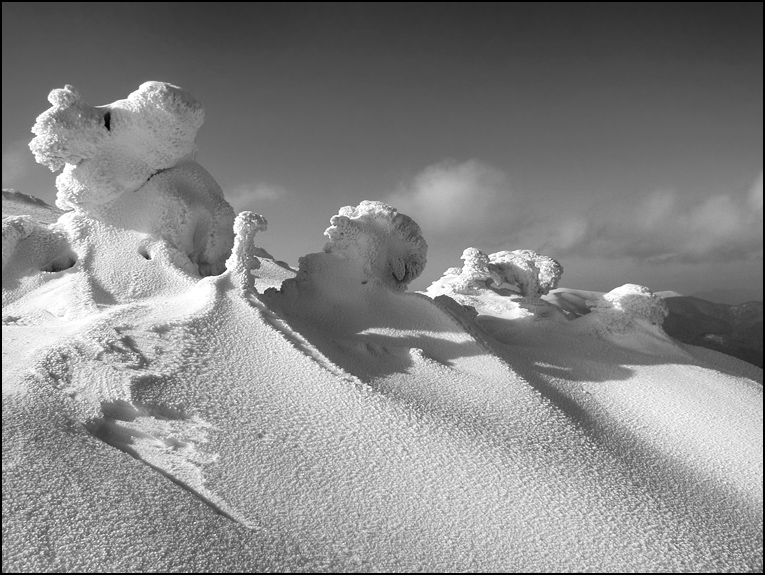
x=338, y=424
x=108, y=150
x=389, y=245
x=143, y=145
x=244, y=257
x=506, y=284
x=533, y=274
x=475, y=273
x=370, y=245
x=623, y=307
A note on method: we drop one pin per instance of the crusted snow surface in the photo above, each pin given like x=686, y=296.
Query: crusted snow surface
x=157, y=420
x=340, y=424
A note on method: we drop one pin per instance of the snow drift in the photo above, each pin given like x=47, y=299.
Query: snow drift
x=161, y=412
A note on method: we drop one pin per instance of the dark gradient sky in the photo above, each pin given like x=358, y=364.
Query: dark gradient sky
x=624, y=139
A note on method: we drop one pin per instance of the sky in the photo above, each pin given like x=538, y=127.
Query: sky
x=624, y=139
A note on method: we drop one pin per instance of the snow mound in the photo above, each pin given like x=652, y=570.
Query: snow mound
x=142, y=144
x=475, y=273
x=623, y=307
x=15, y=228
x=501, y=288
x=531, y=274
x=534, y=274
x=155, y=420
x=33, y=254
x=389, y=245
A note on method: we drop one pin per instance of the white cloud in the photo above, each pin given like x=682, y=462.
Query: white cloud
x=249, y=196
x=660, y=227
x=454, y=199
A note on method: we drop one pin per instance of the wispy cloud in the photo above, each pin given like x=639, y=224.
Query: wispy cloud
x=453, y=199
x=461, y=204
x=250, y=196
x=663, y=227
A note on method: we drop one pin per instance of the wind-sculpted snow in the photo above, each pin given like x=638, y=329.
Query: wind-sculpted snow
x=143, y=145
x=475, y=273
x=155, y=420
x=15, y=229
x=243, y=259
x=531, y=274
x=534, y=275
x=389, y=245
x=108, y=150
x=622, y=307
x=503, y=285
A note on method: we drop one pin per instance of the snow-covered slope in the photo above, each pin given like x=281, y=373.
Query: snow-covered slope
x=18, y=204
x=731, y=329
x=160, y=417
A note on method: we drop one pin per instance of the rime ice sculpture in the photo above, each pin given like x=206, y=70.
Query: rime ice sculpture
x=142, y=144
x=389, y=245
x=534, y=274
x=623, y=306
x=243, y=257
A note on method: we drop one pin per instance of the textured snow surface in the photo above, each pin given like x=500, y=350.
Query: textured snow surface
x=263, y=419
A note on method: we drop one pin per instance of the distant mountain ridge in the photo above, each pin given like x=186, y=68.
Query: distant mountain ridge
x=732, y=329
x=735, y=330
x=18, y=204
x=730, y=296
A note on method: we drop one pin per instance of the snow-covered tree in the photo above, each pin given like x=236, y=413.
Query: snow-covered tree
x=389, y=245
x=622, y=306
x=533, y=274
x=244, y=256
x=143, y=145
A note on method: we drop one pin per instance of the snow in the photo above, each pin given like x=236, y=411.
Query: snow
x=620, y=308
x=163, y=411
x=389, y=245
x=534, y=274
x=143, y=144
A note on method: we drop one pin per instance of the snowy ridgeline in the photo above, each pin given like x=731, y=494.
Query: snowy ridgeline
x=322, y=418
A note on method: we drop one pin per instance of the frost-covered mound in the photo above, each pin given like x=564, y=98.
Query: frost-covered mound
x=731, y=329
x=156, y=420
x=624, y=307
x=505, y=286
x=533, y=274
x=130, y=166
x=388, y=246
